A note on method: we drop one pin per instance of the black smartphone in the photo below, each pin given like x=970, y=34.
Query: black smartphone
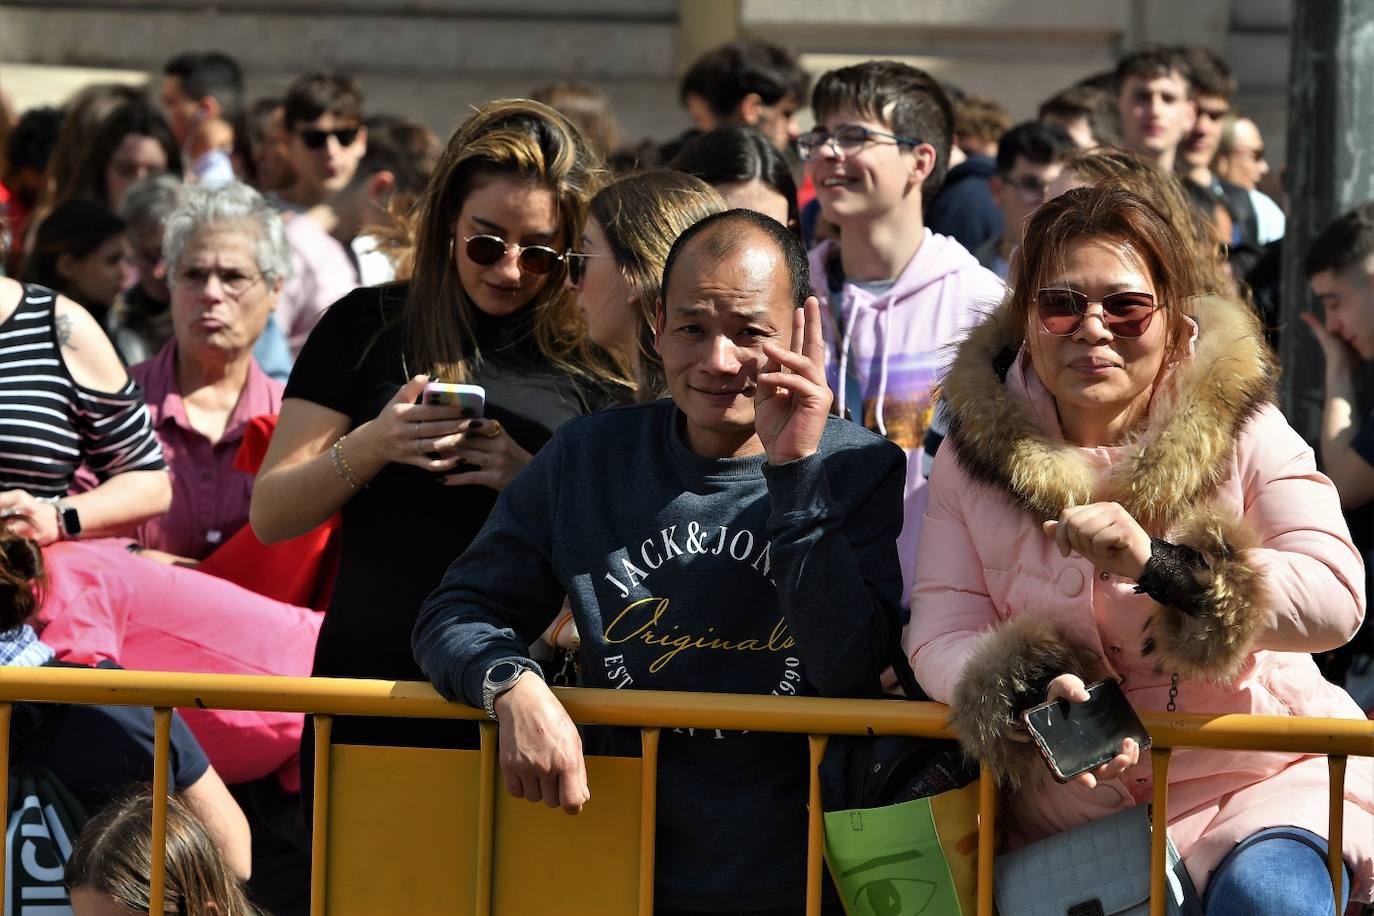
x=1077, y=737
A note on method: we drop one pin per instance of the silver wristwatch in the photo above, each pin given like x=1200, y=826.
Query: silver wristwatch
x=499, y=678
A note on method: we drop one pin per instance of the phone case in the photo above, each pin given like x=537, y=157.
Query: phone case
x=471, y=398
x=1077, y=737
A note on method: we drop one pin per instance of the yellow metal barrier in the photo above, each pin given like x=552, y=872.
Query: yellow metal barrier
x=650, y=711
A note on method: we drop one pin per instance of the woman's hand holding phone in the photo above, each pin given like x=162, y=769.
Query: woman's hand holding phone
x=426, y=436
x=1071, y=687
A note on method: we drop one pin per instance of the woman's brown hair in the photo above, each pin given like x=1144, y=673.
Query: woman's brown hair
x=23, y=579
x=1165, y=191
x=1106, y=211
x=522, y=140
x=114, y=856
x=641, y=216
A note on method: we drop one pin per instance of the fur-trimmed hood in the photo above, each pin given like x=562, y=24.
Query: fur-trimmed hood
x=1169, y=466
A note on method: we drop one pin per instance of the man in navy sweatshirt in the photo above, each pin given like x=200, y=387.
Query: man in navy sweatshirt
x=735, y=538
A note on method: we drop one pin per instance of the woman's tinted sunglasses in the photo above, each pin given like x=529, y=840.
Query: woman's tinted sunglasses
x=488, y=249
x=1126, y=314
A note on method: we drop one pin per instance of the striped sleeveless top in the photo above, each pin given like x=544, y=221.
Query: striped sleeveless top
x=49, y=424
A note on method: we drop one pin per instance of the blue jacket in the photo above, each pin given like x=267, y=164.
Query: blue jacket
x=964, y=207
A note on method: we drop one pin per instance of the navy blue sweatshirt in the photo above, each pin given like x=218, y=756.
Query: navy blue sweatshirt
x=691, y=573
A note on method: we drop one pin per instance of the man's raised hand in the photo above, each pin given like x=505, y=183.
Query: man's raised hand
x=792, y=399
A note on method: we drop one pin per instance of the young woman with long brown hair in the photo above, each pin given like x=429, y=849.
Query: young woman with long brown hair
x=415, y=482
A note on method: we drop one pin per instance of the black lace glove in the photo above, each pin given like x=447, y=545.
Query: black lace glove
x=1171, y=577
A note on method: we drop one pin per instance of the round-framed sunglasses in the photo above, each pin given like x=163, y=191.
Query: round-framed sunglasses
x=1126, y=314
x=488, y=249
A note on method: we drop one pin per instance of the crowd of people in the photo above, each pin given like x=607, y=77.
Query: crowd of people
x=763, y=409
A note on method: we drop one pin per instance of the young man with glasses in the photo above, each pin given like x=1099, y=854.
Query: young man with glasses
x=326, y=140
x=1241, y=161
x=894, y=294
x=326, y=137
x=1212, y=87
x=1027, y=162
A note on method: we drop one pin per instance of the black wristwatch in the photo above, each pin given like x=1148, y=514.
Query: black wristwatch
x=499, y=678
x=68, y=519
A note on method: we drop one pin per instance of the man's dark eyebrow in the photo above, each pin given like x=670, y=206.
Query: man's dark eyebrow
x=689, y=310
x=498, y=229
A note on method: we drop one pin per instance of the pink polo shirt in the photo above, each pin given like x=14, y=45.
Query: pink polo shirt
x=209, y=495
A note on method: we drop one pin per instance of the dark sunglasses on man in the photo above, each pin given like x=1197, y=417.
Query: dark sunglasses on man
x=488, y=249
x=316, y=139
x=1126, y=314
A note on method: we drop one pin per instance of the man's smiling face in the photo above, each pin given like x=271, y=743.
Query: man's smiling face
x=715, y=316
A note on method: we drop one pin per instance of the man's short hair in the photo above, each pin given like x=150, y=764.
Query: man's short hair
x=981, y=120
x=1208, y=74
x=1347, y=242
x=1040, y=142
x=726, y=233
x=212, y=74
x=906, y=99
x=1091, y=102
x=33, y=139
x=724, y=76
x=315, y=95
x=1151, y=62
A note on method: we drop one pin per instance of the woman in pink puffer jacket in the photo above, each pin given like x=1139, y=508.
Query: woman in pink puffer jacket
x=1119, y=497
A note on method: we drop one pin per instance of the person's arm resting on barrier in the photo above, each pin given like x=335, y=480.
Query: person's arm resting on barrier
x=492, y=603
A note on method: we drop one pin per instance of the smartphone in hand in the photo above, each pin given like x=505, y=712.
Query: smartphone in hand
x=1077, y=737
x=471, y=398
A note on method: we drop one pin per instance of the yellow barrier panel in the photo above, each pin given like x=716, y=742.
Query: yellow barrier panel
x=500, y=853
x=401, y=838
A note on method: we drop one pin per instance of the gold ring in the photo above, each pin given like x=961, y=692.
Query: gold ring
x=491, y=429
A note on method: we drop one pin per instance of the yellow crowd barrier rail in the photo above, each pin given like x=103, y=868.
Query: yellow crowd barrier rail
x=650, y=711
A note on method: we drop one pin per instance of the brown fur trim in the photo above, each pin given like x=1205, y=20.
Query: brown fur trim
x=1180, y=455
x=1215, y=644
x=1008, y=671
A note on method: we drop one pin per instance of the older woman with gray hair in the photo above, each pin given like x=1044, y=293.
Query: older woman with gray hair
x=226, y=258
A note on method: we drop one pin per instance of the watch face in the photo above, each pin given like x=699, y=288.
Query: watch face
x=502, y=672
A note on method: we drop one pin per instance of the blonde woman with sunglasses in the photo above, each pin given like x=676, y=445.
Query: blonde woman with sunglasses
x=487, y=306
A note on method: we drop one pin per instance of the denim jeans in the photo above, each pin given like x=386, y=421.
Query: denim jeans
x=1280, y=871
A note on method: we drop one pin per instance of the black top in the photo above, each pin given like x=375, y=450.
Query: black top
x=49, y=424
x=402, y=530
x=100, y=752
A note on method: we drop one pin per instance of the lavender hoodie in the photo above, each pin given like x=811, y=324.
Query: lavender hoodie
x=884, y=352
